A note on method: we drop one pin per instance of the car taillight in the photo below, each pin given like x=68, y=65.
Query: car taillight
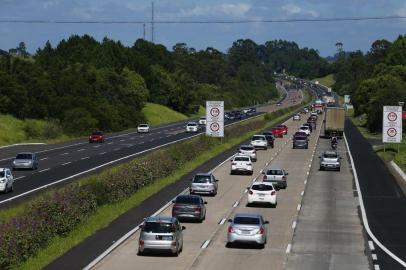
x=261, y=231
x=264, y=178
x=230, y=229
x=173, y=243
x=250, y=192
x=284, y=178
x=273, y=192
x=141, y=242
x=198, y=208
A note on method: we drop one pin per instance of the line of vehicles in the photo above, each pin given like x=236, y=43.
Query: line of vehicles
x=165, y=233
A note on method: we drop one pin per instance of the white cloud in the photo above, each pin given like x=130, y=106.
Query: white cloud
x=239, y=10
x=401, y=11
x=86, y=12
x=293, y=9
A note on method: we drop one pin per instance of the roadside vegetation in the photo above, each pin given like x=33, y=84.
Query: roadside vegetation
x=59, y=219
x=326, y=80
x=85, y=84
x=156, y=114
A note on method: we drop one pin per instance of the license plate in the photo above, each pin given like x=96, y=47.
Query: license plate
x=261, y=194
x=163, y=237
x=245, y=232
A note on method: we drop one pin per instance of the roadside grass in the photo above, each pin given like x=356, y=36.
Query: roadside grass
x=157, y=114
x=360, y=122
x=14, y=130
x=326, y=80
x=108, y=213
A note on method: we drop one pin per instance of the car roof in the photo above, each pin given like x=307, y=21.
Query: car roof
x=246, y=214
x=258, y=135
x=275, y=168
x=241, y=155
x=247, y=145
x=331, y=152
x=262, y=183
x=23, y=153
x=160, y=219
x=188, y=196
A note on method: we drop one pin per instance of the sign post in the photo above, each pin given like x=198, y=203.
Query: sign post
x=215, y=118
x=392, y=124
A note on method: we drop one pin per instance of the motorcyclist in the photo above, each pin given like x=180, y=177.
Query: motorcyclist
x=334, y=141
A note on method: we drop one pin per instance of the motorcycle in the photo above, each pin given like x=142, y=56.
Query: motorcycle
x=334, y=145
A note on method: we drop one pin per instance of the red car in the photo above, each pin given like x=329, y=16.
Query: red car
x=278, y=131
x=96, y=136
x=284, y=129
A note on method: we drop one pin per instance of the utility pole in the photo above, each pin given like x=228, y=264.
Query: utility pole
x=152, y=23
x=143, y=31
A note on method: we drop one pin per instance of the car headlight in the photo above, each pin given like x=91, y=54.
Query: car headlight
x=3, y=180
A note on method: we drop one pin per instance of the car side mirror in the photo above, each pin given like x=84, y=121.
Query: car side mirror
x=141, y=226
x=230, y=220
x=266, y=222
x=287, y=173
x=173, y=201
x=216, y=180
x=204, y=202
x=183, y=228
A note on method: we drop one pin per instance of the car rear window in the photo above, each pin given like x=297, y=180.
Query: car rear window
x=201, y=179
x=158, y=227
x=304, y=128
x=2, y=174
x=192, y=124
x=274, y=172
x=24, y=156
x=330, y=155
x=246, y=220
x=262, y=187
x=143, y=125
x=188, y=200
x=258, y=138
x=300, y=138
x=98, y=133
x=247, y=148
x=241, y=159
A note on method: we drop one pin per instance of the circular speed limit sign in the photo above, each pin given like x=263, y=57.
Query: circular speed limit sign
x=214, y=127
x=391, y=132
x=392, y=116
x=214, y=112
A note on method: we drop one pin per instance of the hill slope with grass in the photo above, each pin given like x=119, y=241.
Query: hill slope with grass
x=326, y=80
x=157, y=114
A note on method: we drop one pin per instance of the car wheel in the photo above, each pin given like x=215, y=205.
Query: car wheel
x=176, y=253
x=140, y=253
x=266, y=148
x=261, y=246
x=12, y=188
x=338, y=169
x=321, y=169
x=251, y=172
x=229, y=245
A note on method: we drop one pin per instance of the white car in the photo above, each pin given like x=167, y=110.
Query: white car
x=192, y=127
x=297, y=117
x=241, y=164
x=259, y=141
x=305, y=129
x=248, y=150
x=276, y=176
x=143, y=128
x=202, y=120
x=6, y=180
x=262, y=192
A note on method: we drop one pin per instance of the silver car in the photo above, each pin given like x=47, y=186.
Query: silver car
x=247, y=228
x=330, y=160
x=161, y=233
x=276, y=176
x=248, y=150
x=204, y=183
x=25, y=161
x=6, y=180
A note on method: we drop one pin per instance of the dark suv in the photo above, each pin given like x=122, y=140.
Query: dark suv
x=189, y=207
x=300, y=141
x=270, y=138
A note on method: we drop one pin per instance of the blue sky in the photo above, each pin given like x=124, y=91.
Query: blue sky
x=320, y=36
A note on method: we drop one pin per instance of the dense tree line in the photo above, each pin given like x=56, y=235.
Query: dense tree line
x=86, y=84
x=374, y=79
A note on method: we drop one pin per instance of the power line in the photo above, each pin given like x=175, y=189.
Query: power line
x=336, y=19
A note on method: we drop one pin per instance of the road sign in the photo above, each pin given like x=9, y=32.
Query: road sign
x=392, y=124
x=215, y=118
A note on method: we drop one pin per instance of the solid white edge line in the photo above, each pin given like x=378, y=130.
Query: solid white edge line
x=294, y=223
x=363, y=212
x=288, y=248
x=205, y=244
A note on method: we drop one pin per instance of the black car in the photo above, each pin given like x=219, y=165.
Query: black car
x=270, y=138
x=237, y=115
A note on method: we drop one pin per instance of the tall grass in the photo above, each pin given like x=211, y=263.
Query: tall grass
x=157, y=114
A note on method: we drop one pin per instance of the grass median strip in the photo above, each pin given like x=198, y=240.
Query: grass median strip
x=106, y=213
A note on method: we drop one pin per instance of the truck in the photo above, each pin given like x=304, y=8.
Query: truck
x=334, y=121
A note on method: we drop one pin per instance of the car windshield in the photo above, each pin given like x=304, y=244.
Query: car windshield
x=192, y=124
x=157, y=227
x=201, y=179
x=2, y=174
x=274, y=172
x=188, y=200
x=300, y=138
x=143, y=125
x=267, y=134
x=24, y=156
x=258, y=138
x=262, y=187
x=247, y=148
x=241, y=159
x=246, y=220
x=98, y=133
x=328, y=155
x=202, y=118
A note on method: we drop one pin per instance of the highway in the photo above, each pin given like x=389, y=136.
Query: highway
x=61, y=163
x=204, y=244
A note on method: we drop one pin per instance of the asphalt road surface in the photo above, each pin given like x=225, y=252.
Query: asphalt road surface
x=64, y=162
x=204, y=244
x=329, y=233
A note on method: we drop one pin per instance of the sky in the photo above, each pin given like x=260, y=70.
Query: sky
x=321, y=36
